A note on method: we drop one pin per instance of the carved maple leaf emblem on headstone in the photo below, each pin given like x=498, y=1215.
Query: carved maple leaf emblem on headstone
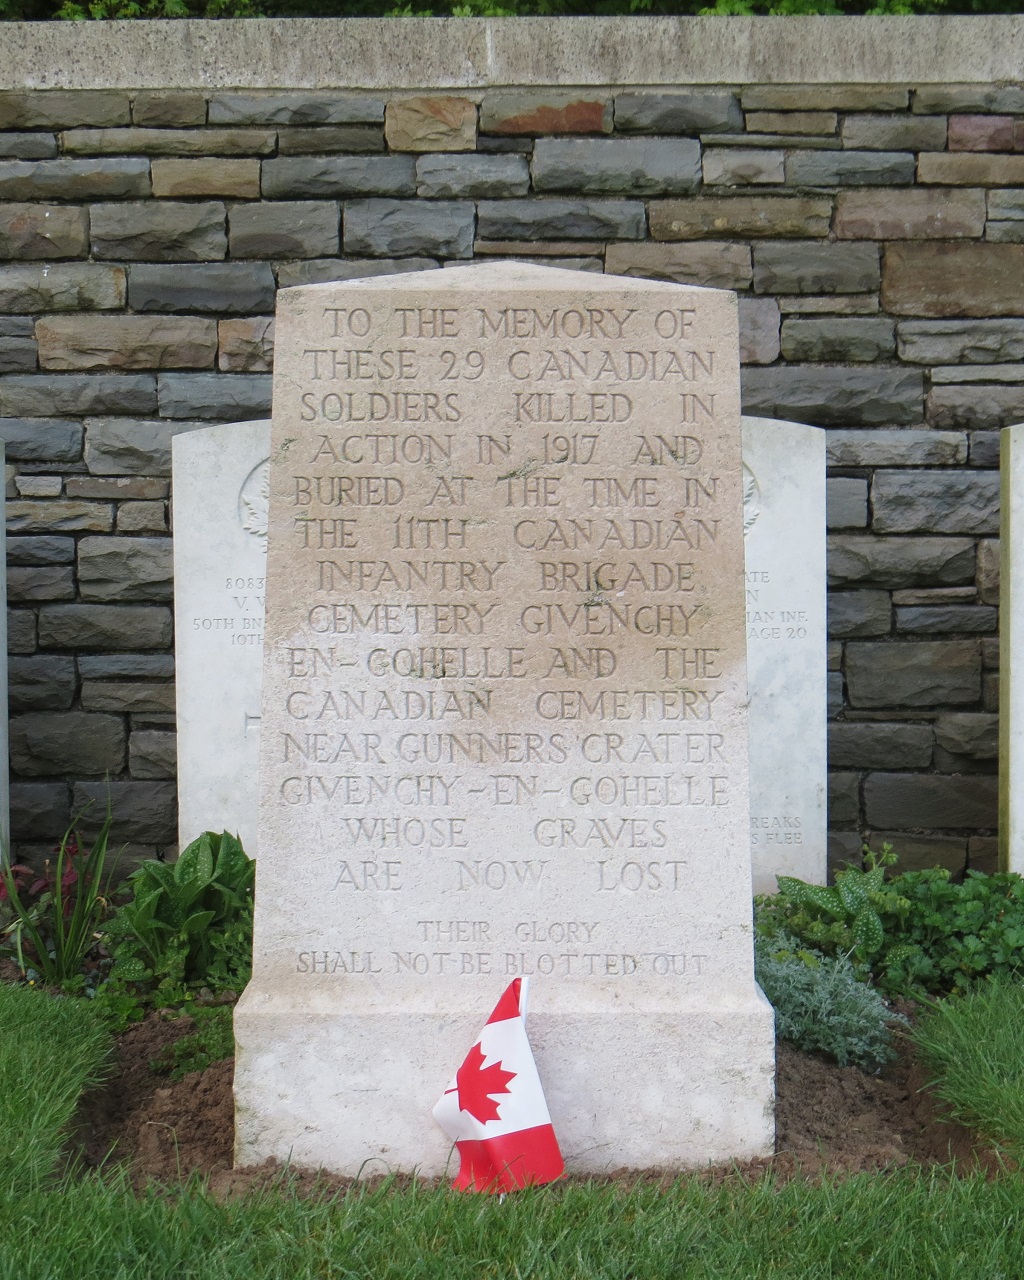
x=477, y=1084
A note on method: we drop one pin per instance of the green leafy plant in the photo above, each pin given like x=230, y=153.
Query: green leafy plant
x=213, y=1040
x=53, y=916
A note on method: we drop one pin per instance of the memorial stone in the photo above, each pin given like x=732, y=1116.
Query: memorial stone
x=1011, y=650
x=220, y=488
x=504, y=720
x=784, y=526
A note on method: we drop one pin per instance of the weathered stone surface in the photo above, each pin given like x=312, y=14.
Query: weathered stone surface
x=162, y=231
x=975, y=405
x=1008, y=203
x=531, y=111
x=41, y=440
x=454, y=176
x=971, y=170
x=401, y=226
x=865, y=561
x=159, y=109
x=743, y=166
x=990, y=691
x=16, y=326
x=952, y=279
x=310, y=107
x=843, y=798
x=879, y=745
x=896, y=448
x=61, y=179
x=86, y=286
x=1004, y=232
x=985, y=133
x=17, y=355
x=804, y=122
x=916, y=673
x=739, y=215
x=239, y=179
x=41, y=516
x=246, y=345
x=855, y=338
x=21, y=631
x=43, y=231
x=849, y=168
x=169, y=142
x=39, y=810
x=935, y=502
x=919, y=853
x=41, y=486
x=859, y=613
x=127, y=447
x=47, y=745
x=835, y=694
x=839, y=304
x=40, y=582
x=142, y=517
x=125, y=569
x=152, y=754
x=107, y=666
x=433, y=123
x=30, y=396
x=330, y=139
x=917, y=214
x=143, y=811
x=104, y=627
x=775, y=141
x=815, y=268
x=844, y=849
x=138, y=698
x=827, y=395
x=759, y=330
x=847, y=498
x=325, y=176
x=909, y=800
x=983, y=854
x=40, y=550
x=872, y=132
x=116, y=487
x=960, y=341
x=950, y=619
x=28, y=146
x=43, y=682
x=617, y=166
x=693, y=111
x=714, y=265
x=126, y=342
x=240, y=287
x=831, y=97
x=988, y=571
x=287, y=229
x=214, y=396
x=972, y=97
x=969, y=733
x=561, y=220
x=322, y=270
x=61, y=109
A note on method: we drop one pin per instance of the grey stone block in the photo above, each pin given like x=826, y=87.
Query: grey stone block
x=453, y=176
x=1008, y=203
x=385, y=227
x=1004, y=232
x=859, y=613
x=715, y=265
x=104, y=627
x=827, y=395
x=41, y=516
x=973, y=97
x=920, y=673
x=126, y=447
x=865, y=561
x=844, y=850
x=49, y=744
x=988, y=571
x=17, y=355
x=879, y=745
x=168, y=110
x=850, y=168
x=308, y=107
x=143, y=811
x=40, y=550
x=852, y=338
x=617, y=166
x=960, y=341
x=834, y=694
x=21, y=631
x=330, y=139
x=17, y=326
x=284, y=230
x=55, y=394
x=239, y=288
x=82, y=286
x=125, y=569
x=935, y=502
x=110, y=178
x=39, y=810
x=696, y=111
x=895, y=448
x=135, y=697
x=743, y=166
x=949, y=619
x=159, y=230
x=28, y=146
x=42, y=682
x=169, y=142
x=561, y=220
x=909, y=800
x=846, y=502
x=759, y=330
x=843, y=798
x=797, y=267
x=920, y=853
x=40, y=582
x=895, y=132
x=969, y=733
x=975, y=405
x=152, y=753
x=319, y=177
x=219, y=397
x=323, y=270
x=108, y=666
x=983, y=854
x=62, y=108
x=43, y=231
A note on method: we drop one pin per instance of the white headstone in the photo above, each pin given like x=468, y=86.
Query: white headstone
x=220, y=488
x=784, y=502
x=504, y=720
x=1011, y=650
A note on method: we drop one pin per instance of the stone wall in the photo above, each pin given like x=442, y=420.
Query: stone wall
x=875, y=234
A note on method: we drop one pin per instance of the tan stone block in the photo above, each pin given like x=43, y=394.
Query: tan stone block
x=142, y=517
x=45, y=516
x=126, y=342
x=915, y=214
x=967, y=169
x=527, y=111
x=806, y=122
x=713, y=264
x=168, y=142
x=745, y=216
x=246, y=344
x=430, y=124
x=953, y=279
x=160, y=109
x=988, y=570
x=832, y=97
x=207, y=177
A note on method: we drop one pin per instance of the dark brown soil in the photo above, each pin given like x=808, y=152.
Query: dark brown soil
x=829, y=1119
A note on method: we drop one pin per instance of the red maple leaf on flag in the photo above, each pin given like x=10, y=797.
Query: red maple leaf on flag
x=476, y=1083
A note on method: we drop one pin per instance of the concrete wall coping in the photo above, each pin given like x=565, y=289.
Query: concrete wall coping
x=477, y=53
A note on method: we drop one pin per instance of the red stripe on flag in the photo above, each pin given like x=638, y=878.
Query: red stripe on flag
x=508, y=1006
x=526, y=1158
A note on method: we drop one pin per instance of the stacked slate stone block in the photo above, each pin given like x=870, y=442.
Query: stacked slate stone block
x=875, y=235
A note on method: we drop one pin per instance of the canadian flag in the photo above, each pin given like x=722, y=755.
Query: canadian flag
x=494, y=1110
